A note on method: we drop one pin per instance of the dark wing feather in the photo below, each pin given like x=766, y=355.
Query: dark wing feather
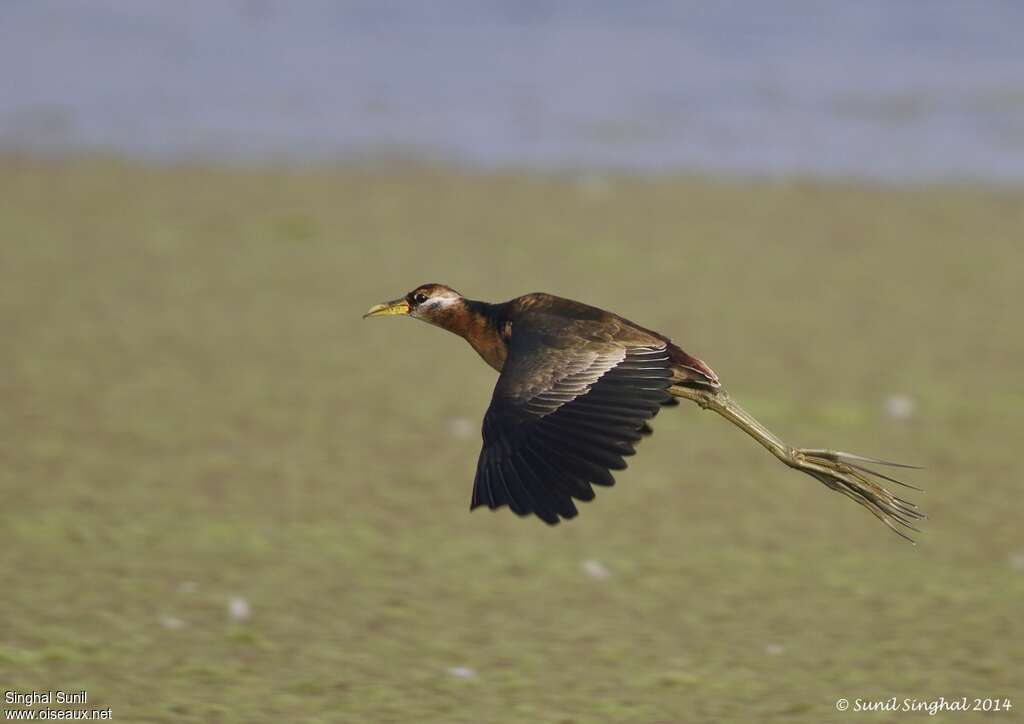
x=566, y=410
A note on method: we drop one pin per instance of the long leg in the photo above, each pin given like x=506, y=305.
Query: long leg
x=843, y=472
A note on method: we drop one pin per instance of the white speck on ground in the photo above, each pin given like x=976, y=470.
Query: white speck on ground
x=171, y=622
x=1017, y=561
x=462, y=672
x=239, y=609
x=900, y=407
x=774, y=649
x=460, y=427
x=596, y=569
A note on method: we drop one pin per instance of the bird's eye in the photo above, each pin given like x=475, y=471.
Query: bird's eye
x=419, y=297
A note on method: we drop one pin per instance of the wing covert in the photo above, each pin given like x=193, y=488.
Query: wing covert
x=565, y=412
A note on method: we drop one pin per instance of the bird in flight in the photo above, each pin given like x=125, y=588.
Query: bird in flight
x=577, y=389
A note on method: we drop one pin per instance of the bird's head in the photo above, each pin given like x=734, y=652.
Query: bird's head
x=434, y=303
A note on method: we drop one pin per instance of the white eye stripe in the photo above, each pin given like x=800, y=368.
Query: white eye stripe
x=439, y=302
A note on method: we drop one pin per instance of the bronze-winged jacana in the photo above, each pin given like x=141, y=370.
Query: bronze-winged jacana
x=577, y=388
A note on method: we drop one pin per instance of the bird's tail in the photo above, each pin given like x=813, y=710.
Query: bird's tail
x=845, y=473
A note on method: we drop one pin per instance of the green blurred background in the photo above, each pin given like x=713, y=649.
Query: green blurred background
x=226, y=498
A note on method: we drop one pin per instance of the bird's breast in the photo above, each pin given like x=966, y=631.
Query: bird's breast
x=492, y=349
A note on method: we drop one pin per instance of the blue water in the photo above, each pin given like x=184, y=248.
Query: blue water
x=884, y=89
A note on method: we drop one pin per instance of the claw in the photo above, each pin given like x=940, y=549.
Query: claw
x=883, y=476
x=838, y=456
x=840, y=472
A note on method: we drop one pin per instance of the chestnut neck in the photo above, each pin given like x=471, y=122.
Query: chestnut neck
x=480, y=324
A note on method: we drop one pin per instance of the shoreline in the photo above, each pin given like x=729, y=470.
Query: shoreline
x=398, y=163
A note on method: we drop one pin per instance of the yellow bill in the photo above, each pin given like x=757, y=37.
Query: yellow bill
x=388, y=309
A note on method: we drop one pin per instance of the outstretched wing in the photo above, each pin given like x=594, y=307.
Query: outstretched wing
x=565, y=411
